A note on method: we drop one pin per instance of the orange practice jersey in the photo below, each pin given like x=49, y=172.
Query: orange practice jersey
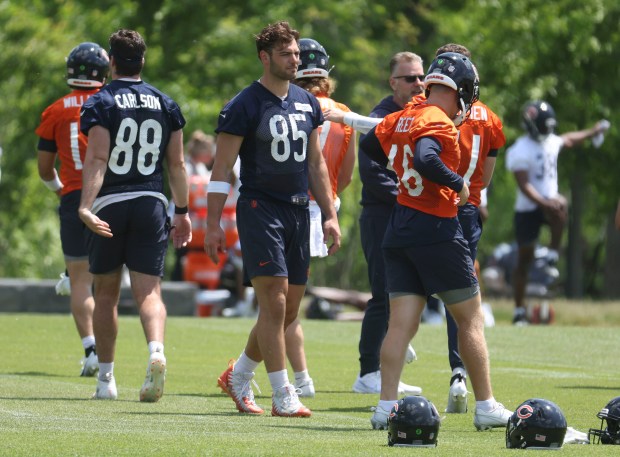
x=60, y=122
x=334, y=138
x=481, y=132
x=398, y=134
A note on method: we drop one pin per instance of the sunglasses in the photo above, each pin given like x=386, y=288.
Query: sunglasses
x=411, y=78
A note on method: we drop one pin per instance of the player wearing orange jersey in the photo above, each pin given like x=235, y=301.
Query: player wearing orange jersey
x=424, y=248
x=337, y=143
x=60, y=136
x=480, y=138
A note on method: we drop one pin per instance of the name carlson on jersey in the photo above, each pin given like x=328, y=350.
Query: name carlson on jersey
x=127, y=101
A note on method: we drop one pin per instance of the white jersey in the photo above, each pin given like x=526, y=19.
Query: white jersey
x=540, y=160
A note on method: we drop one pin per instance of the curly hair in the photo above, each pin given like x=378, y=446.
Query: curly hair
x=275, y=34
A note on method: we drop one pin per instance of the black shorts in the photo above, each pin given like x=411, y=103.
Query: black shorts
x=471, y=223
x=71, y=227
x=274, y=239
x=528, y=224
x=141, y=228
x=430, y=269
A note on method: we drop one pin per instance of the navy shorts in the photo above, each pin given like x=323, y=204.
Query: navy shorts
x=71, y=227
x=140, y=227
x=274, y=239
x=471, y=223
x=429, y=269
x=528, y=224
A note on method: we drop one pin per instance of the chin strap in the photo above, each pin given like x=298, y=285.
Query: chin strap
x=461, y=115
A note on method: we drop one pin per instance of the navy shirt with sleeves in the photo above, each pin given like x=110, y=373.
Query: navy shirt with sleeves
x=275, y=133
x=140, y=119
x=379, y=184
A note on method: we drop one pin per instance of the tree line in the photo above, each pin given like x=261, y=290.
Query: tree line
x=202, y=53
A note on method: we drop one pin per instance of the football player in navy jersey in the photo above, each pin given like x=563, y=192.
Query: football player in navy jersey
x=132, y=127
x=272, y=126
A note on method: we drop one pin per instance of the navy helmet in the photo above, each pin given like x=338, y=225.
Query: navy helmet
x=314, y=61
x=87, y=66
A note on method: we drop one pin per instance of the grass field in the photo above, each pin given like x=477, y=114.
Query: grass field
x=45, y=407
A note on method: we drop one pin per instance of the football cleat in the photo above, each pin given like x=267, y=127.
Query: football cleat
x=63, y=287
x=305, y=388
x=90, y=365
x=106, y=388
x=457, y=397
x=285, y=403
x=153, y=387
x=497, y=417
x=238, y=387
x=370, y=383
x=379, y=419
x=410, y=355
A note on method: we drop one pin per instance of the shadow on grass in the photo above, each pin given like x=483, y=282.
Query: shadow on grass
x=615, y=388
x=37, y=373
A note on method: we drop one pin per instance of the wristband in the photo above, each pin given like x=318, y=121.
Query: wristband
x=218, y=187
x=181, y=209
x=54, y=184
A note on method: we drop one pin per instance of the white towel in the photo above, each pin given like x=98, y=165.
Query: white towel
x=317, y=247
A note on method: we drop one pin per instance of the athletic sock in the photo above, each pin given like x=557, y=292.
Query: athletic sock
x=486, y=405
x=278, y=379
x=245, y=364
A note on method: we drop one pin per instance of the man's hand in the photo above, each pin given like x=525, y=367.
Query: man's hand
x=463, y=195
x=215, y=242
x=181, y=230
x=331, y=229
x=94, y=223
x=334, y=115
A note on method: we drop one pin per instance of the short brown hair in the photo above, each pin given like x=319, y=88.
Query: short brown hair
x=128, y=48
x=274, y=35
x=453, y=47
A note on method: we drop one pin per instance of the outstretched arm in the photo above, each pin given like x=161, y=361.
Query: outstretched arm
x=575, y=138
x=362, y=124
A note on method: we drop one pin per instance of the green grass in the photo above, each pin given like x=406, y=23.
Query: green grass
x=45, y=407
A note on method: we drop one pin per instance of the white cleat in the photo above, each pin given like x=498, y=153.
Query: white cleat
x=106, y=388
x=410, y=355
x=153, y=387
x=305, y=388
x=496, y=418
x=370, y=383
x=63, y=287
x=379, y=419
x=90, y=365
x=457, y=397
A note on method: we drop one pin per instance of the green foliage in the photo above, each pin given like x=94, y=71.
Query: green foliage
x=202, y=53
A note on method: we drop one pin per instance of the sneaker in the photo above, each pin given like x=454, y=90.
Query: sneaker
x=90, y=365
x=106, y=388
x=379, y=419
x=486, y=420
x=285, y=403
x=238, y=387
x=370, y=383
x=305, y=388
x=63, y=287
x=153, y=387
x=520, y=316
x=457, y=397
x=410, y=355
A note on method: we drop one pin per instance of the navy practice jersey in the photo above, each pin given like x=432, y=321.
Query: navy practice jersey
x=276, y=132
x=140, y=119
